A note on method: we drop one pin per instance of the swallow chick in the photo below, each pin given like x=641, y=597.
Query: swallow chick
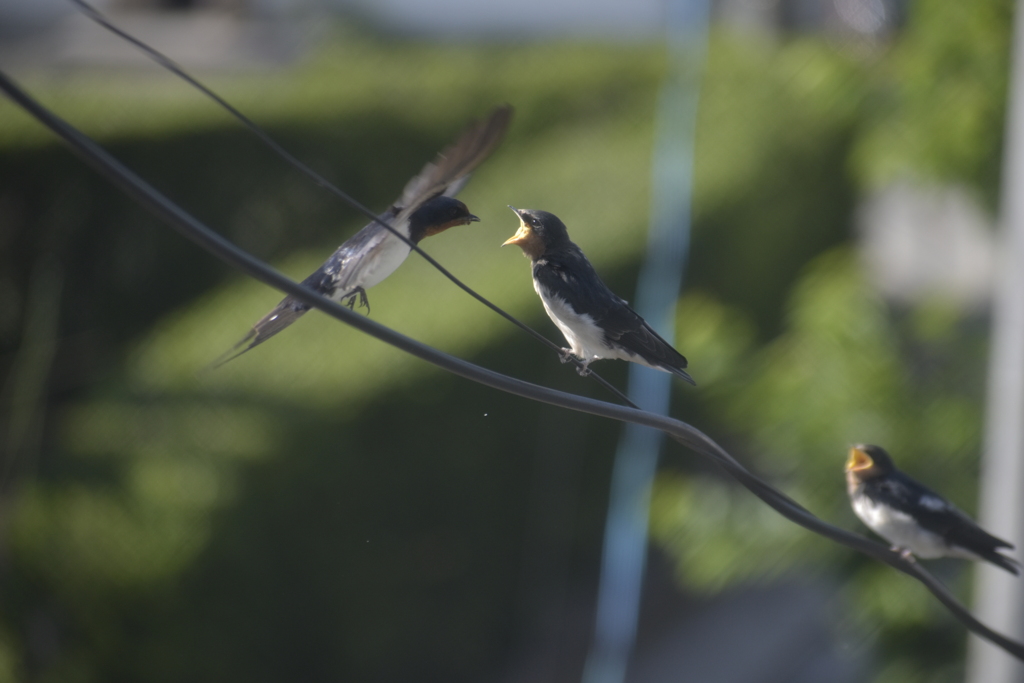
x=596, y=323
x=427, y=207
x=915, y=519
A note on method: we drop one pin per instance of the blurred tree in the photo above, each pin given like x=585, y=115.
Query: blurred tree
x=329, y=509
x=850, y=368
x=332, y=509
x=938, y=100
x=846, y=370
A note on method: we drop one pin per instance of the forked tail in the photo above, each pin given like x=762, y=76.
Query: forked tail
x=1008, y=563
x=283, y=315
x=679, y=372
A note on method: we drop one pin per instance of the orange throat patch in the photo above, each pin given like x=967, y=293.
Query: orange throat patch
x=527, y=240
x=435, y=229
x=859, y=467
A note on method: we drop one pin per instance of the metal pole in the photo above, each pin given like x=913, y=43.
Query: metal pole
x=999, y=597
x=660, y=279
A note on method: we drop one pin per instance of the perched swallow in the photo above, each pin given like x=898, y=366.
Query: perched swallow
x=912, y=517
x=427, y=207
x=596, y=323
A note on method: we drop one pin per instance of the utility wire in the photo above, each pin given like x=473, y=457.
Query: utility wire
x=172, y=66
x=178, y=219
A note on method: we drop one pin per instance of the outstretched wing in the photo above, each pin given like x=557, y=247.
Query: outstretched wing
x=447, y=174
x=348, y=266
x=449, y=171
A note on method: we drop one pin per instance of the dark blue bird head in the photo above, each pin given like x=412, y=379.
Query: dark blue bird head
x=437, y=215
x=539, y=232
x=867, y=462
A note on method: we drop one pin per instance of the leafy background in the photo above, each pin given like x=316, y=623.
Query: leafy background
x=324, y=508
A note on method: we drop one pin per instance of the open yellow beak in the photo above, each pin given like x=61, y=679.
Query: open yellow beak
x=858, y=460
x=522, y=235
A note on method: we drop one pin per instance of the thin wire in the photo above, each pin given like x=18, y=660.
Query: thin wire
x=169, y=64
x=686, y=434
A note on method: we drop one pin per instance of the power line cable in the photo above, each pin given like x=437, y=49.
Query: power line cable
x=186, y=225
x=172, y=66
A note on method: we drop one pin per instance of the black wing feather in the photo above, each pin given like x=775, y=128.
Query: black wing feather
x=904, y=494
x=447, y=174
x=569, y=274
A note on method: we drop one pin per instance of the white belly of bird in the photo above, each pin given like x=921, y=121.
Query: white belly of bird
x=585, y=338
x=900, y=529
x=388, y=256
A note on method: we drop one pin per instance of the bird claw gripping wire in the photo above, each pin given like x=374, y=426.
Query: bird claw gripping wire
x=567, y=356
x=904, y=553
x=350, y=299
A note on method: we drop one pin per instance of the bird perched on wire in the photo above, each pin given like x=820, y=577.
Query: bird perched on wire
x=427, y=207
x=913, y=518
x=596, y=323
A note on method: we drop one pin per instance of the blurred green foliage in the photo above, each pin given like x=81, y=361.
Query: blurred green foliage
x=847, y=366
x=845, y=370
x=937, y=108
x=323, y=507
x=326, y=508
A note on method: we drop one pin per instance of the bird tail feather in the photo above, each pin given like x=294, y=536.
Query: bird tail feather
x=283, y=315
x=1008, y=563
x=679, y=372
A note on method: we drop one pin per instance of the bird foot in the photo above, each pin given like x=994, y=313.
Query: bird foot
x=360, y=293
x=567, y=356
x=904, y=553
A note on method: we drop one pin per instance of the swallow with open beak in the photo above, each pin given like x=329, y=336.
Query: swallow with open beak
x=596, y=323
x=427, y=207
x=913, y=518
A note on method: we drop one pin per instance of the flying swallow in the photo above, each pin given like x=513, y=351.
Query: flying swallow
x=427, y=207
x=596, y=323
x=912, y=517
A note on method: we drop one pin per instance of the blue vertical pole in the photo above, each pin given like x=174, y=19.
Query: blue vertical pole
x=661, y=276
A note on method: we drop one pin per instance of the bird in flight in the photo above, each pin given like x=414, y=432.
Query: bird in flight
x=427, y=207
x=594, y=320
x=915, y=519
